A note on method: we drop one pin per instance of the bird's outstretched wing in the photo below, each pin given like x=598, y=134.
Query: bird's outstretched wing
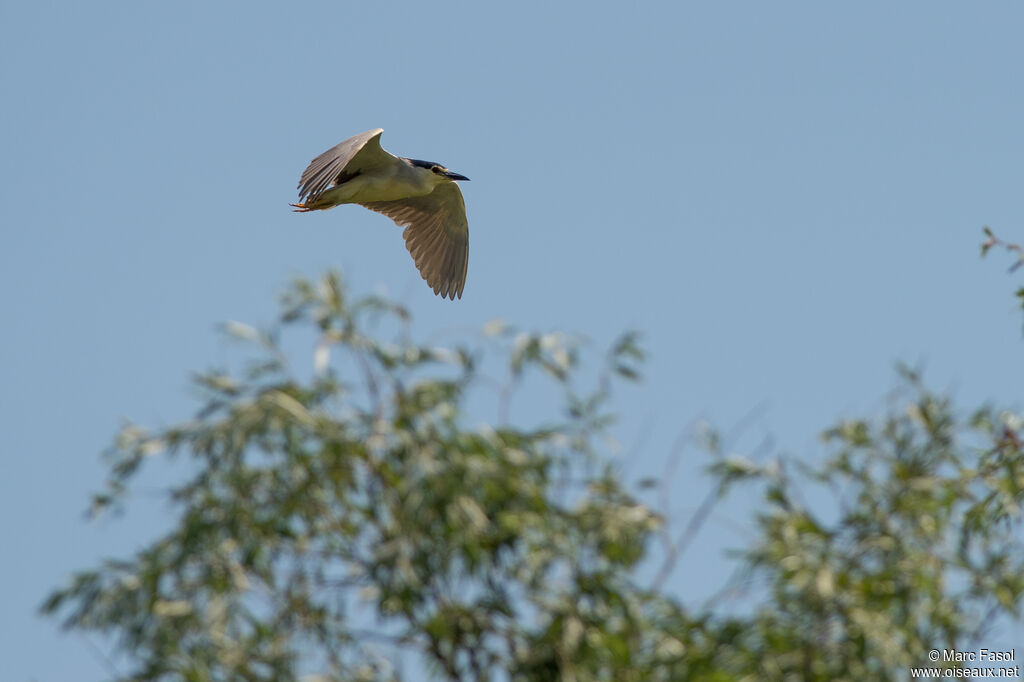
x=356, y=154
x=436, y=234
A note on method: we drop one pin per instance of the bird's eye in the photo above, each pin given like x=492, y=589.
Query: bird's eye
x=437, y=169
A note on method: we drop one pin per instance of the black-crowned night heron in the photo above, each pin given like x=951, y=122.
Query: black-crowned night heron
x=419, y=195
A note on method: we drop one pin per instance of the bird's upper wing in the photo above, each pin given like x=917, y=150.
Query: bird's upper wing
x=436, y=234
x=356, y=154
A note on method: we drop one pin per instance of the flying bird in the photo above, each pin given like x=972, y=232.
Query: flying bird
x=420, y=196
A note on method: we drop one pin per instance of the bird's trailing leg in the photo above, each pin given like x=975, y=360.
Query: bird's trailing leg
x=301, y=208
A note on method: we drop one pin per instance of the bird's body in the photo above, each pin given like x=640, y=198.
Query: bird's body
x=386, y=184
x=420, y=195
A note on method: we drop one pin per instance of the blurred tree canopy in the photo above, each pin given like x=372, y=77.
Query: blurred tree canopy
x=353, y=524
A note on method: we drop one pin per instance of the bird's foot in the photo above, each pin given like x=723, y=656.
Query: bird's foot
x=301, y=208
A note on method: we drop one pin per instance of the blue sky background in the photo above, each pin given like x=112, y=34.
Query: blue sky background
x=786, y=198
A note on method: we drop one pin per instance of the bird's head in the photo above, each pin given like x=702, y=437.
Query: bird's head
x=437, y=169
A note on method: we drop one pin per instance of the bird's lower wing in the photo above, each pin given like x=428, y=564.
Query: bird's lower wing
x=436, y=234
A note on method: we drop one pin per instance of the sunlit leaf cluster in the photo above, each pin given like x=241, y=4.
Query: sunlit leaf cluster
x=347, y=519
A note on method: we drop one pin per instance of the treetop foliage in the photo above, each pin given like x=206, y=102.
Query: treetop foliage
x=354, y=524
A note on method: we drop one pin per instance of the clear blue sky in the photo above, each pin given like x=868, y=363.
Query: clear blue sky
x=786, y=198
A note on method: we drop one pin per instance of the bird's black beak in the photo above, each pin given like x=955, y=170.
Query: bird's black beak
x=454, y=176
